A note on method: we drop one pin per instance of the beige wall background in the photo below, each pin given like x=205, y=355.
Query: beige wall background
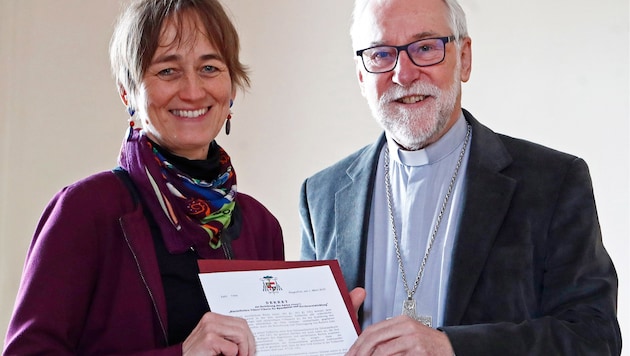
x=552, y=72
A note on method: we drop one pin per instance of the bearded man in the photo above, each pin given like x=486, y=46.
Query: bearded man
x=455, y=239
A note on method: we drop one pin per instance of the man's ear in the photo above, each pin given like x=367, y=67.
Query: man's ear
x=466, y=59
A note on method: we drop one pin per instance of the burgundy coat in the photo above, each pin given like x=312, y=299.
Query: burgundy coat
x=91, y=283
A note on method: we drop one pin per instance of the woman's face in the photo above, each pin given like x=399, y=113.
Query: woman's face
x=187, y=91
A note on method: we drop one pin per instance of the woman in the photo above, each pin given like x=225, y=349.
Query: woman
x=112, y=268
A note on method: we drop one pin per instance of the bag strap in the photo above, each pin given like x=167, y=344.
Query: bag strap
x=123, y=175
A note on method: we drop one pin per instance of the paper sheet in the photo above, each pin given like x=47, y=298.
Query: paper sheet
x=294, y=311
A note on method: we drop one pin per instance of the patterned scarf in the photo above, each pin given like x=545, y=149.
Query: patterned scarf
x=190, y=212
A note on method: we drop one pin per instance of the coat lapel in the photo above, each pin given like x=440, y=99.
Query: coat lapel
x=487, y=199
x=139, y=239
x=353, y=202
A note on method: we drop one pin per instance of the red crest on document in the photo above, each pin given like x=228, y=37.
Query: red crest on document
x=270, y=284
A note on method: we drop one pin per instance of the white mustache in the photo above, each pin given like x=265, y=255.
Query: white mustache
x=397, y=92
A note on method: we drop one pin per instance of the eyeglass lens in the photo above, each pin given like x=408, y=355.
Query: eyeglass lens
x=422, y=53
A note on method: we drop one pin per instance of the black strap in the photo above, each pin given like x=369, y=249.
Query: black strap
x=123, y=175
x=185, y=300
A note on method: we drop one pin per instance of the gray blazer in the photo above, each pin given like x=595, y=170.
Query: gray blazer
x=530, y=275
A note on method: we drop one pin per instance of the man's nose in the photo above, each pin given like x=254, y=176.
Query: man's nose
x=405, y=72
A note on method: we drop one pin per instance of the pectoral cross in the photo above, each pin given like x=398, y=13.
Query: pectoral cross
x=409, y=309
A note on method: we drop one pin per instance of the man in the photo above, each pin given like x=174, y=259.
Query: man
x=460, y=240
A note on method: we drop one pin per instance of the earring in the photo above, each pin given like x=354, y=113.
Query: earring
x=227, y=124
x=131, y=112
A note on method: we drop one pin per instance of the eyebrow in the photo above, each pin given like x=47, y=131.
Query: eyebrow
x=416, y=37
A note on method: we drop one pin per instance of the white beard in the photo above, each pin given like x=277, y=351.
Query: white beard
x=412, y=128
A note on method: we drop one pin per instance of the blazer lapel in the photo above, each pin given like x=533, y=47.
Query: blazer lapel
x=487, y=199
x=353, y=202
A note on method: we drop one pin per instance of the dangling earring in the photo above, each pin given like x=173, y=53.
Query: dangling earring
x=228, y=125
x=131, y=112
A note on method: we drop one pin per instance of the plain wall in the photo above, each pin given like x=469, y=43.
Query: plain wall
x=556, y=73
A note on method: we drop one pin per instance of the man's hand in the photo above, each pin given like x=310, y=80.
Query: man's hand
x=357, y=296
x=400, y=336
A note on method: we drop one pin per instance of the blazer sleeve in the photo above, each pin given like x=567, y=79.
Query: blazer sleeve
x=62, y=284
x=575, y=310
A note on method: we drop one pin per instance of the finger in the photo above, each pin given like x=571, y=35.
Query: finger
x=369, y=339
x=248, y=346
x=237, y=331
x=224, y=347
x=222, y=334
x=208, y=344
x=383, y=337
x=357, y=297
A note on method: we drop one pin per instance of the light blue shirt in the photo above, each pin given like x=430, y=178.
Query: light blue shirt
x=419, y=181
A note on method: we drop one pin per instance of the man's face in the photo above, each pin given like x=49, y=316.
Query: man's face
x=415, y=105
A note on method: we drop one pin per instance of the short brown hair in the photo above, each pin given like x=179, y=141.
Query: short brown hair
x=137, y=33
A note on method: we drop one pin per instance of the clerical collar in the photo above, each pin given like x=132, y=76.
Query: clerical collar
x=432, y=153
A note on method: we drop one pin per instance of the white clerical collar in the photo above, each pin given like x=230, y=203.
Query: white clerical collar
x=432, y=153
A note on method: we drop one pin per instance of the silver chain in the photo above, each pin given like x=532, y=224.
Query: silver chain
x=388, y=188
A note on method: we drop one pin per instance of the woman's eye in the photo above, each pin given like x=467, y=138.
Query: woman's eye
x=165, y=72
x=210, y=69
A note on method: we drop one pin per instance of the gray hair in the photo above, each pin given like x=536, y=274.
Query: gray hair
x=456, y=19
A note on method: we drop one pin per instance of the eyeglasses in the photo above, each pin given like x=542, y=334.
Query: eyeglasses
x=423, y=53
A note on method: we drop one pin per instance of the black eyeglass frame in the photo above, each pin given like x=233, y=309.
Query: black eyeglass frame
x=445, y=40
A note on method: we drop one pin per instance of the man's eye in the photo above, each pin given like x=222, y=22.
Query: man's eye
x=380, y=56
x=423, y=48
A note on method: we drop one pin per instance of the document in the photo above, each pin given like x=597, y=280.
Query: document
x=292, y=308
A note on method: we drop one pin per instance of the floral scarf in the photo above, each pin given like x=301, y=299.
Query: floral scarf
x=190, y=212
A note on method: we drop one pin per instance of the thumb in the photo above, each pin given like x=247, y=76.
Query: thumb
x=357, y=296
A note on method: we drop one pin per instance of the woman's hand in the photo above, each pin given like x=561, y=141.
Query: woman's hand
x=218, y=334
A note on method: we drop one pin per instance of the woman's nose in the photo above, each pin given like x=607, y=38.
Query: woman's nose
x=192, y=87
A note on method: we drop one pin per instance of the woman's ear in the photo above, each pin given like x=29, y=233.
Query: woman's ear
x=123, y=95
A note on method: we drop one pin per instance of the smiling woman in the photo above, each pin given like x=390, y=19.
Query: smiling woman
x=123, y=245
